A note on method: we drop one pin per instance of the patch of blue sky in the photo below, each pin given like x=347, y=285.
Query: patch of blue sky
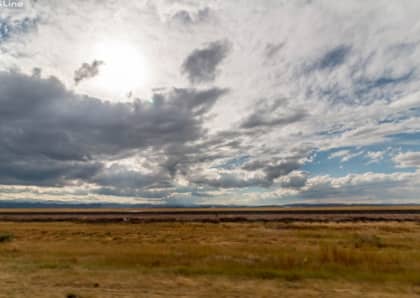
x=358, y=161
x=233, y=163
x=384, y=86
x=410, y=141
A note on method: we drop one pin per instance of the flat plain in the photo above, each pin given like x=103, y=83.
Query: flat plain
x=80, y=257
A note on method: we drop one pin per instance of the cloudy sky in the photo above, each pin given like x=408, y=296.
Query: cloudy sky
x=210, y=102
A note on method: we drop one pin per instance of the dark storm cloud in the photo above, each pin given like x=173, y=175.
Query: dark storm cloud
x=282, y=168
x=45, y=172
x=118, y=176
x=87, y=71
x=201, y=65
x=47, y=132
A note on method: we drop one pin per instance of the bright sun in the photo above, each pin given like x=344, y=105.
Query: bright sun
x=123, y=71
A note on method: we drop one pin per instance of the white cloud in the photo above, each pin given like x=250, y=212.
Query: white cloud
x=375, y=156
x=345, y=155
x=303, y=76
x=407, y=159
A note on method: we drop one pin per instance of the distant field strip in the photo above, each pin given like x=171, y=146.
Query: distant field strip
x=343, y=214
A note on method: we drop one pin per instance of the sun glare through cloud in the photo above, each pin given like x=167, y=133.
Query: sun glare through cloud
x=124, y=70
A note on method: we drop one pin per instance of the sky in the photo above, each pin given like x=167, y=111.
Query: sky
x=179, y=102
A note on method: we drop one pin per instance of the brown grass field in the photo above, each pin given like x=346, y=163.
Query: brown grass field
x=210, y=259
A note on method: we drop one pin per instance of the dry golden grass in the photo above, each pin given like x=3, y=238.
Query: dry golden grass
x=210, y=260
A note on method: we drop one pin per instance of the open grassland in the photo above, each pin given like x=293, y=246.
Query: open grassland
x=195, y=259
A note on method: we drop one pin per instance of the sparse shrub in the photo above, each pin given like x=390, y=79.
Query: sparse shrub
x=71, y=295
x=6, y=237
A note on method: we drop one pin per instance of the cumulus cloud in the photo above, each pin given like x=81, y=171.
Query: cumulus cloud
x=294, y=180
x=52, y=135
x=375, y=156
x=202, y=64
x=87, y=71
x=367, y=186
x=407, y=159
